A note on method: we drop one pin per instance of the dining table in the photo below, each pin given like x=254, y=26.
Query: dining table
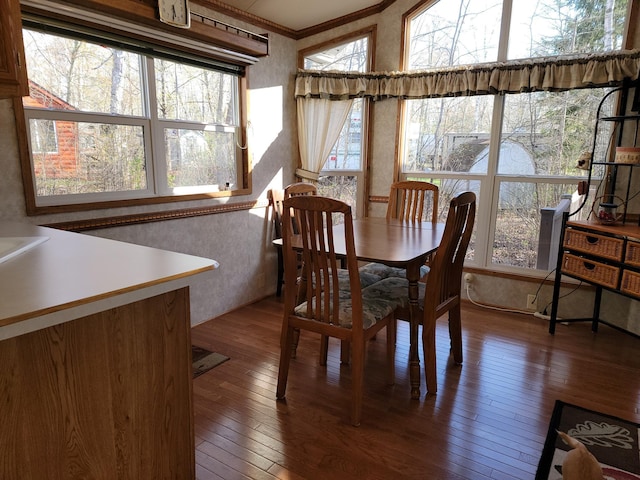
x=396, y=243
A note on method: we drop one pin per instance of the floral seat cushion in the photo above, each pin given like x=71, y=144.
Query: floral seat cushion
x=378, y=301
x=385, y=271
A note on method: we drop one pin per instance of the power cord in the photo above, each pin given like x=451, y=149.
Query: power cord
x=491, y=307
x=543, y=315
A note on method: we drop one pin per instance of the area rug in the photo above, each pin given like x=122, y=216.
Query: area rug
x=613, y=441
x=204, y=360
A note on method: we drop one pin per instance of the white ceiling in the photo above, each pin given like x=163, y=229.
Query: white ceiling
x=300, y=14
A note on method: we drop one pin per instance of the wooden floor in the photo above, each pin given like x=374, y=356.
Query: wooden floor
x=488, y=420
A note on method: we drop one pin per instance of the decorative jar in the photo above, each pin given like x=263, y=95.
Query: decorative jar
x=607, y=213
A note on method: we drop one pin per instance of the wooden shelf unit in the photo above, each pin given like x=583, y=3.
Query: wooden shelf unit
x=606, y=256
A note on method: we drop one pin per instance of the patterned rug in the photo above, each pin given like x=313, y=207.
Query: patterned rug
x=613, y=441
x=204, y=360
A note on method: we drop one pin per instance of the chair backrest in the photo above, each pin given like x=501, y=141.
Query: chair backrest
x=410, y=200
x=300, y=188
x=276, y=198
x=296, y=190
x=445, y=275
x=316, y=217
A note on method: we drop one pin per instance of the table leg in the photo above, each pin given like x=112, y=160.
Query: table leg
x=413, y=275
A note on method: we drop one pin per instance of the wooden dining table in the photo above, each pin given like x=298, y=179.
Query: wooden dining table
x=402, y=244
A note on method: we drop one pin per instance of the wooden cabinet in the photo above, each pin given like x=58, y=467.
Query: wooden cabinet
x=606, y=256
x=103, y=396
x=13, y=70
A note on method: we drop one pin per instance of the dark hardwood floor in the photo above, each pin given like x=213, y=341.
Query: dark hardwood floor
x=488, y=420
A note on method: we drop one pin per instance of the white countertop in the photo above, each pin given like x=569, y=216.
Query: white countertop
x=71, y=275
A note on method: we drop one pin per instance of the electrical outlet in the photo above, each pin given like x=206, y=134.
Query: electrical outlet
x=532, y=302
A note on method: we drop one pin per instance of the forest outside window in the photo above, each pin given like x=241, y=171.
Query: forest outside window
x=108, y=124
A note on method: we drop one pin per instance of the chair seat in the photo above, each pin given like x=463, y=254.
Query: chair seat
x=385, y=271
x=378, y=301
x=366, y=280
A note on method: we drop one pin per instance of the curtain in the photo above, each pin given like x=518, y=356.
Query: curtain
x=319, y=124
x=518, y=76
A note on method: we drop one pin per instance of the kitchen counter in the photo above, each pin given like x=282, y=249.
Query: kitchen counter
x=72, y=275
x=95, y=359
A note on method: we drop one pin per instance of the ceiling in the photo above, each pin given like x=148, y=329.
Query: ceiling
x=300, y=15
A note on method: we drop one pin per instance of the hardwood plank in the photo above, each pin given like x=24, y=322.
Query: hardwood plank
x=488, y=420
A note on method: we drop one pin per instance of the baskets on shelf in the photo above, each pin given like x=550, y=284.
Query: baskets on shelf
x=627, y=155
x=594, y=244
x=591, y=271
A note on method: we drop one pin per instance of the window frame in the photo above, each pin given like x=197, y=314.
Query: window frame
x=362, y=177
x=491, y=180
x=152, y=194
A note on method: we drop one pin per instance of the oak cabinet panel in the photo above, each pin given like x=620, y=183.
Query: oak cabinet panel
x=13, y=71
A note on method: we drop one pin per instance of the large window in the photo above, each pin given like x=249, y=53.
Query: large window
x=342, y=175
x=109, y=124
x=517, y=152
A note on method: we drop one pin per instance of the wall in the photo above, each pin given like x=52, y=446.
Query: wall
x=240, y=241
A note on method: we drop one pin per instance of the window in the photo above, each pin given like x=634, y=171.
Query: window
x=342, y=176
x=517, y=152
x=107, y=123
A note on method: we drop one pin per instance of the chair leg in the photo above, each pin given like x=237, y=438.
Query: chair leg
x=345, y=352
x=391, y=349
x=294, y=342
x=280, y=273
x=357, y=378
x=324, y=350
x=285, y=359
x=455, y=333
x=429, y=350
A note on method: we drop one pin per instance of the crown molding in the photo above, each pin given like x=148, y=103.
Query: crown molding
x=257, y=21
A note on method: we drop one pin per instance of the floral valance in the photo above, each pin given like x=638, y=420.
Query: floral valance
x=518, y=76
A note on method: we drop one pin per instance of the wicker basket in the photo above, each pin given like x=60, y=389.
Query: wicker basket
x=628, y=155
x=599, y=245
x=630, y=283
x=593, y=272
x=632, y=255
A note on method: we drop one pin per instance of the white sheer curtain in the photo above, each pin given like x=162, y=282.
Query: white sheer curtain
x=319, y=124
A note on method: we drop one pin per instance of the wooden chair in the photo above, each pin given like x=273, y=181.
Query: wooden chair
x=410, y=201
x=441, y=293
x=276, y=198
x=354, y=315
x=300, y=188
x=296, y=190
